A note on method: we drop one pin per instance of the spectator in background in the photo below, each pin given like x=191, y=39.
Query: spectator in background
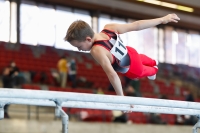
x=14, y=68
x=127, y=80
x=7, y=81
x=180, y=120
x=56, y=77
x=110, y=88
x=155, y=118
x=189, y=120
x=43, y=77
x=119, y=117
x=135, y=83
x=72, y=71
x=188, y=96
x=15, y=74
x=163, y=97
x=100, y=91
x=130, y=91
x=63, y=69
x=32, y=75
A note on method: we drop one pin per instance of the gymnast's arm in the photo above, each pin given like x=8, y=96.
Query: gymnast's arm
x=142, y=24
x=103, y=60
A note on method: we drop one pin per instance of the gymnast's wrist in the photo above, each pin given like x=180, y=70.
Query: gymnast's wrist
x=161, y=20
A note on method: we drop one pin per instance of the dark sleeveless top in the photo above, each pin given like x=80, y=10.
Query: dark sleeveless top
x=121, y=66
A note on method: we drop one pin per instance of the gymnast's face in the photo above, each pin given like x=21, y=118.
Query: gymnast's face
x=83, y=45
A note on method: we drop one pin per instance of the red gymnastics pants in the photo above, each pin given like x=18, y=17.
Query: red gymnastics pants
x=140, y=66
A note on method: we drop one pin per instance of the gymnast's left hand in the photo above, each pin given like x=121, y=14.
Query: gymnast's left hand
x=170, y=18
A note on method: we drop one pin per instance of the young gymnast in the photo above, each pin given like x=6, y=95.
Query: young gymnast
x=109, y=51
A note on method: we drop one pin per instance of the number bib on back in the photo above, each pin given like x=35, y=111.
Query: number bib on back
x=118, y=50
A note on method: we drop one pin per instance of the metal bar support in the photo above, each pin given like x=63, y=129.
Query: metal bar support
x=59, y=112
x=2, y=110
x=196, y=126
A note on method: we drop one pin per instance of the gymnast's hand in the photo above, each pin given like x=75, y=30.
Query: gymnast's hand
x=170, y=18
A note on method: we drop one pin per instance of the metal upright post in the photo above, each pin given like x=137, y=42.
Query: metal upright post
x=59, y=112
x=65, y=120
x=1, y=113
x=2, y=110
x=197, y=125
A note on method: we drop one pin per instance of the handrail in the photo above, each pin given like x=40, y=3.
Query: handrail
x=70, y=96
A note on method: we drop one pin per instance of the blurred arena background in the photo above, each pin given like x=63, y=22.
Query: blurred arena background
x=31, y=46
